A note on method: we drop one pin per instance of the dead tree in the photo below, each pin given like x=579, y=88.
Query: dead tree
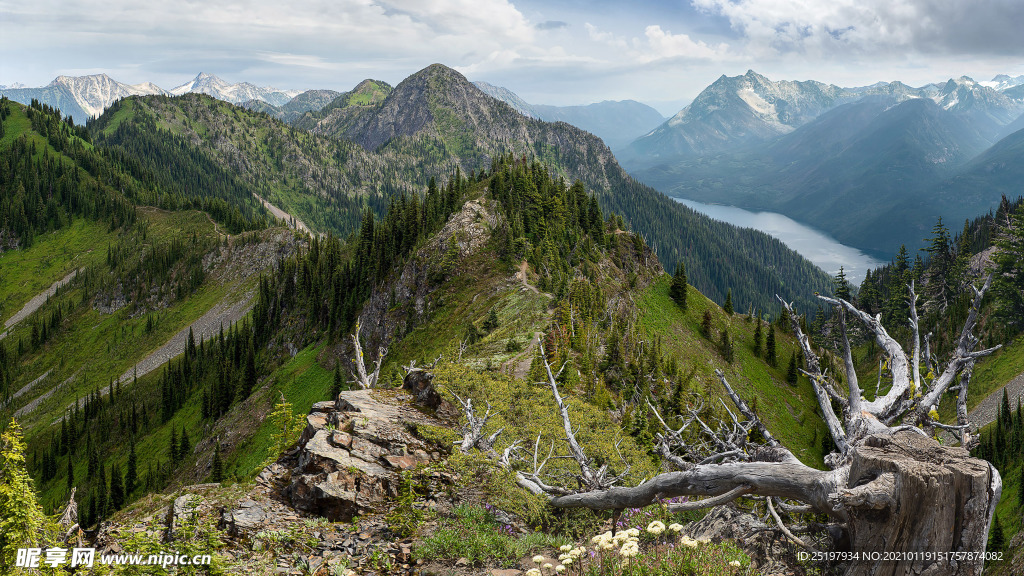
x=360, y=377
x=896, y=498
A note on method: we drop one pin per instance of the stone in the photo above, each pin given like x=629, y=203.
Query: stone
x=420, y=383
x=247, y=519
x=182, y=507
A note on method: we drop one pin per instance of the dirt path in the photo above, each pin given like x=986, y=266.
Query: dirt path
x=207, y=326
x=520, y=363
x=522, y=275
x=988, y=409
x=36, y=302
x=39, y=399
x=292, y=221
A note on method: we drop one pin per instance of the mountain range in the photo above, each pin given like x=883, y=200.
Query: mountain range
x=84, y=97
x=873, y=166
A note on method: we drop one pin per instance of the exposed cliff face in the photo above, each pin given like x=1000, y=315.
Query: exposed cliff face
x=407, y=300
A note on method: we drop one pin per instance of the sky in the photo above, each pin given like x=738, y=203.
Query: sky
x=559, y=52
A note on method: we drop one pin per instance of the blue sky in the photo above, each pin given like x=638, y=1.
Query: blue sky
x=549, y=52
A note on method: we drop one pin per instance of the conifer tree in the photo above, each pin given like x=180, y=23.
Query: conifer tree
x=998, y=538
x=677, y=290
x=185, y=447
x=131, y=474
x=337, y=384
x=758, y=346
x=791, y=372
x=728, y=303
x=725, y=345
x=249, y=377
x=492, y=322
x=71, y=474
x=217, y=472
x=173, y=449
x=705, y=325
x=769, y=348
x=841, y=286
x=1008, y=280
x=116, y=488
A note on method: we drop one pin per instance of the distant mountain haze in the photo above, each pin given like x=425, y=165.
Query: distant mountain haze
x=874, y=166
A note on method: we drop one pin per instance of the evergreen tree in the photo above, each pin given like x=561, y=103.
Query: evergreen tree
x=249, y=377
x=131, y=474
x=939, y=290
x=1020, y=490
x=337, y=384
x=1008, y=280
x=492, y=322
x=728, y=303
x=841, y=287
x=791, y=372
x=185, y=447
x=769, y=348
x=71, y=474
x=217, y=472
x=705, y=325
x=173, y=450
x=725, y=345
x=997, y=541
x=677, y=290
x=116, y=488
x=758, y=335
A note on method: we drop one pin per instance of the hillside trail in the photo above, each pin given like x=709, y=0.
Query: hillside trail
x=521, y=274
x=519, y=365
x=988, y=409
x=289, y=219
x=37, y=302
x=224, y=313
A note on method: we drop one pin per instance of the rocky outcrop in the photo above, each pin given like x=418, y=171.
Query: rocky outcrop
x=406, y=297
x=351, y=453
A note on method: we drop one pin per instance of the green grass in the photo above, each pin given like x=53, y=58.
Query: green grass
x=790, y=412
x=468, y=297
x=303, y=381
x=25, y=273
x=473, y=533
x=990, y=374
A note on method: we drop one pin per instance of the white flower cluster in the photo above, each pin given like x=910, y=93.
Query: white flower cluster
x=569, y=555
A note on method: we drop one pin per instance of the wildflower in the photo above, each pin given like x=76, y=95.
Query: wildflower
x=704, y=540
x=629, y=550
x=565, y=548
x=548, y=566
x=538, y=559
x=533, y=572
x=632, y=532
x=656, y=527
x=568, y=561
x=735, y=563
x=559, y=568
x=675, y=527
x=688, y=542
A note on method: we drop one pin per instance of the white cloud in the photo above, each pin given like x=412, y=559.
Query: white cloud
x=657, y=45
x=873, y=26
x=664, y=44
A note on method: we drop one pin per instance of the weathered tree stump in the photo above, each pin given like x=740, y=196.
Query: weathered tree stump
x=915, y=504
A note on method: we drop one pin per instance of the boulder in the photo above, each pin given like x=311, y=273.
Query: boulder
x=420, y=383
